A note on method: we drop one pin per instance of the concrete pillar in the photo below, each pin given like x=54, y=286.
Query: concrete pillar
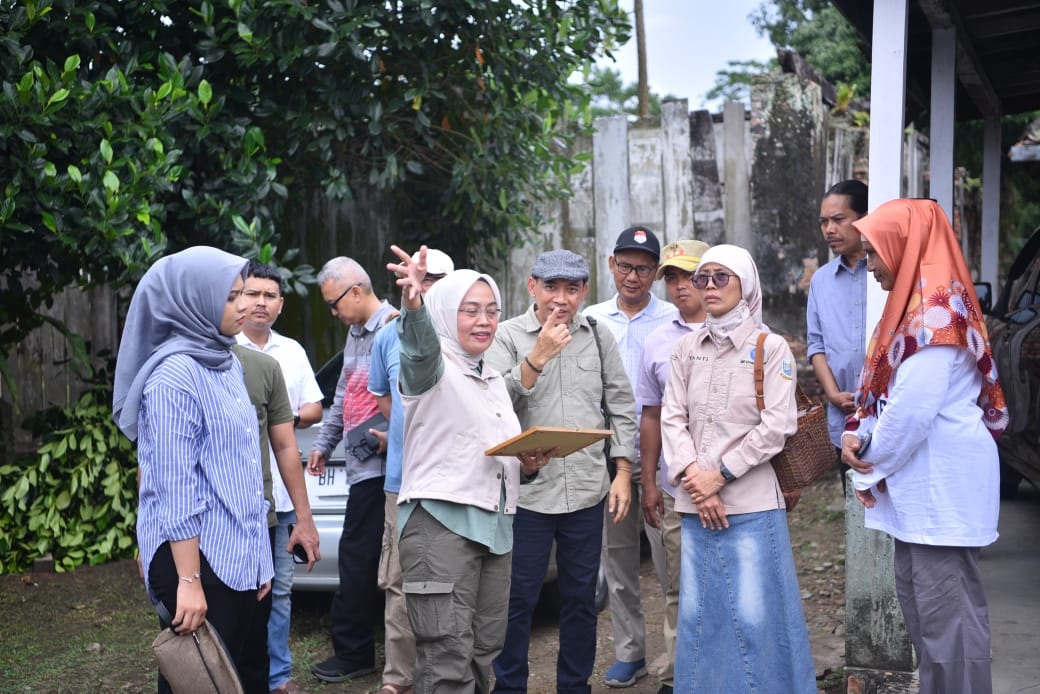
x=610, y=196
x=709, y=212
x=738, y=195
x=990, y=241
x=676, y=172
x=940, y=138
x=875, y=637
x=787, y=176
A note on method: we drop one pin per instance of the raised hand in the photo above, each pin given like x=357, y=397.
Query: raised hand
x=410, y=276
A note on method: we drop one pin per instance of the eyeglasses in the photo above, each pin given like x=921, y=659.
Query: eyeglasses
x=624, y=269
x=492, y=312
x=332, y=304
x=719, y=279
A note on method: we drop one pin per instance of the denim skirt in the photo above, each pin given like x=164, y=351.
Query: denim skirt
x=741, y=624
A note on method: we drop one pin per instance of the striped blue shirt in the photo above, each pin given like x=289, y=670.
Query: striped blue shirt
x=200, y=470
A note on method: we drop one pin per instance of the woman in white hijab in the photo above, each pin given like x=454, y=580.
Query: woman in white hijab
x=741, y=626
x=456, y=503
x=180, y=393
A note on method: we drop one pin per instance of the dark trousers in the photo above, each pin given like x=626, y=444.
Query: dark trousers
x=357, y=604
x=579, y=540
x=256, y=663
x=230, y=612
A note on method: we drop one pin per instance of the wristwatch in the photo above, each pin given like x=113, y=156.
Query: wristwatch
x=295, y=421
x=726, y=474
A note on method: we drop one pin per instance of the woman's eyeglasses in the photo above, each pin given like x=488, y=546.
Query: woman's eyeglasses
x=719, y=279
x=492, y=312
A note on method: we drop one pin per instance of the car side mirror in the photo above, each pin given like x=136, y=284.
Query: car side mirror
x=985, y=293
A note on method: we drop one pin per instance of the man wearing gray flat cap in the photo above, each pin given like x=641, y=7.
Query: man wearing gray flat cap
x=562, y=370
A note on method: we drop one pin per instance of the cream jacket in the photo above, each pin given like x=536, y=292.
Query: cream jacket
x=447, y=430
x=710, y=417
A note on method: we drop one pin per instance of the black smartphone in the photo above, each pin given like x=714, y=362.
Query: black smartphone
x=863, y=446
x=298, y=552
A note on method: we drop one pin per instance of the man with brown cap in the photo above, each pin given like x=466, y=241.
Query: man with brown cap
x=562, y=371
x=630, y=316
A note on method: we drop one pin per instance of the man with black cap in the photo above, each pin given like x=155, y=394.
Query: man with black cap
x=562, y=370
x=631, y=315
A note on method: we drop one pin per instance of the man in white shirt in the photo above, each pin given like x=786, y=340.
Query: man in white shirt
x=263, y=291
x=631, y=315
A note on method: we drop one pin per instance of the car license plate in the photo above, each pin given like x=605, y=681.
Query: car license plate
x=328, y=488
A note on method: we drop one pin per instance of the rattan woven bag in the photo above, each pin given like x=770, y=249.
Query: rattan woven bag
x=809, y=454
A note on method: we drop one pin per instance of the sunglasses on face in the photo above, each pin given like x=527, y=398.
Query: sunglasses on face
x=719, y=279
x=332, y=304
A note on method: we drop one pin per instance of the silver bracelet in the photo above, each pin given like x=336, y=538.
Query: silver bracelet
x=190, y=579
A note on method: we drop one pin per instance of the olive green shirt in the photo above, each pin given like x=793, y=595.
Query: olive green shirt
x=266, y=386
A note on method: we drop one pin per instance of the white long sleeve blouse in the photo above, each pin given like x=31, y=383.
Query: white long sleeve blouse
x=935, y=454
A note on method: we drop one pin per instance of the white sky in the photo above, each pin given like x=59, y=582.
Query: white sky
x=688, y=41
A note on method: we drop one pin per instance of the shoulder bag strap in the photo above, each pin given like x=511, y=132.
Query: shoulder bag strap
x=760, y=377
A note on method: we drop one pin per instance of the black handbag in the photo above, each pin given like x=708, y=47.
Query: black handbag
x=360, y=443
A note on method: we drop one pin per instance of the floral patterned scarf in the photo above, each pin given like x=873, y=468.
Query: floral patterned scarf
x=932, y=302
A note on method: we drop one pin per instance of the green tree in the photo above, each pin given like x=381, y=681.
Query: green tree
x=610, y=96
x=138, y=127
x=734, y=84
x=820, y=34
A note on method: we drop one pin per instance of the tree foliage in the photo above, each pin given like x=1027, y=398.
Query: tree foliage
x=611, y=97
x=820, y=34
x=734, y=84
x=131, y=128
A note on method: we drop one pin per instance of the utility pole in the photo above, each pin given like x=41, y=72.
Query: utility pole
x=644, y=87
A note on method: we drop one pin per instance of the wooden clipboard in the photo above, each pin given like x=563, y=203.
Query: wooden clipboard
x=547, y=438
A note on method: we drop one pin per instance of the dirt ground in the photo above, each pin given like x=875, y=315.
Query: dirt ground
x=92, y=629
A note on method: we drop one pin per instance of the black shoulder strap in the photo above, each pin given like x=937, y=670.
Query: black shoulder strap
x=599, y=350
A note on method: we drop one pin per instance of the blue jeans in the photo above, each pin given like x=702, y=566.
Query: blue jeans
x=741, y=625
x=281, y=605
x=579, y=540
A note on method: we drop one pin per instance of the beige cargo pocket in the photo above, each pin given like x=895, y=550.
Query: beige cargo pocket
x=386, y=575
x=431, y=607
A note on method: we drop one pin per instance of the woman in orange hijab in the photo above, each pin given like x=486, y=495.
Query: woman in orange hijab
x=922, y=443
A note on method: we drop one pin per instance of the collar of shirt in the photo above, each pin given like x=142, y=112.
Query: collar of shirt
x=274, y=341
x=531, y=324
x=375, y=322
x=861, y=264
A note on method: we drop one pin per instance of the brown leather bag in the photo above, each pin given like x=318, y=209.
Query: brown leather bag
x=195, y=663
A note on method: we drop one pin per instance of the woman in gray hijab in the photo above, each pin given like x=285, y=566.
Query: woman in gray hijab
x=457, y=503
x=179, y=392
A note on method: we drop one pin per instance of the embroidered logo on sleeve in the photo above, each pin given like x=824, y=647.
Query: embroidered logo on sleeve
x=786, y=370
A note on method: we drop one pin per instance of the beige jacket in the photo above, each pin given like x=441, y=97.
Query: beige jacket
x=448, y=428
x=710, y=417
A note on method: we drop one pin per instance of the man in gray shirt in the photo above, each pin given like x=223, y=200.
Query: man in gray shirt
x=562, y=370
x=347, y=291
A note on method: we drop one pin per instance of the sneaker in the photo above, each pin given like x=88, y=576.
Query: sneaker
x=622, y=674
x=665, y=689
x=336, y=669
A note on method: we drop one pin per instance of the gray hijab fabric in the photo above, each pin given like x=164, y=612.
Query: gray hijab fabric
x=176, y=309
x=443, y=301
